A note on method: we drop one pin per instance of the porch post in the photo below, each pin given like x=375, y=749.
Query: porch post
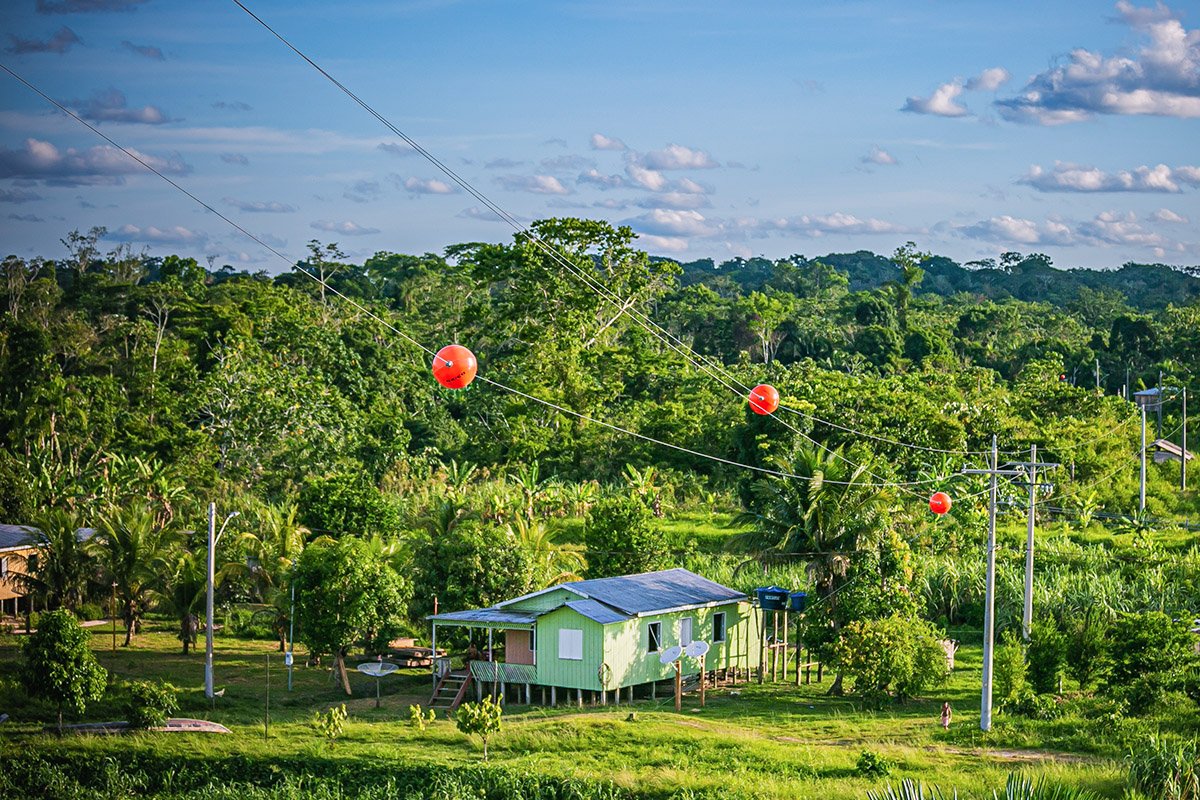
x=433, y=655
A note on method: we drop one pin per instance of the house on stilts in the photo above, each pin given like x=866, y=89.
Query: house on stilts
x=597, y=639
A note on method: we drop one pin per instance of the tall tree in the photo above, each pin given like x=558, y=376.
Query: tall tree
x=133, y=549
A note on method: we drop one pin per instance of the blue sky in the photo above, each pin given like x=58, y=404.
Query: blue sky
x=713, y=129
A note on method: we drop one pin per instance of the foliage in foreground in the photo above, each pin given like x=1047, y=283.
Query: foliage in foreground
x=1168, y=769
x=148, y=704
x=1018, y=787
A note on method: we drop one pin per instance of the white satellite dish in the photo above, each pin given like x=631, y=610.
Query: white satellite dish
x=696, y=649
x=377, y=669
x=672, y=653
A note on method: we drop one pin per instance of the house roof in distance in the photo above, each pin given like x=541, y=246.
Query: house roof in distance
x=15, y=536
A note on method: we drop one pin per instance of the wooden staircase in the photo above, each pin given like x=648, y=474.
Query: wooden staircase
x=450, y=691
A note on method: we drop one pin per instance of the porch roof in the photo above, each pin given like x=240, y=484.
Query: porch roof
x=484, y=618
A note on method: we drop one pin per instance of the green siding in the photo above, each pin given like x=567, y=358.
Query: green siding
x=626, y=647
x=554, y=671
x=543, y=602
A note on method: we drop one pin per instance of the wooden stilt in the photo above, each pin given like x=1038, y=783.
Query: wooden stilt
x=784, y=653
x=580, y=697
x=553, y=695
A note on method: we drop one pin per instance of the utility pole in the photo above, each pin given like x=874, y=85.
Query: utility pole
x=291, y=653
x=213, y=537
x=1097, y=374
x=1142, y=482
x=1183, y=447
x=1032, y=465
x=989, y=606
x=1160, y=405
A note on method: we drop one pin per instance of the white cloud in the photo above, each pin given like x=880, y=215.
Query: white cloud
x=102, y=164
x=819, y=224
x=676, y=156
x=940, y=103
x=110, y=105
x=397, y=148
x=989, y=80
x=601, y=180
x=662, y=244
x=650, y=179
x=675, y=200
x=1162, y=78
x=670, y=222
x=602, y=142
x=346, y=228
x=879, y=156
x=565, y=163
x=1167, y=215
x=534, y=184
x=261, y=207
x=235, y=158
x=1067, y=177
x=1016, y=230
x=427, y=186
x=175, y=234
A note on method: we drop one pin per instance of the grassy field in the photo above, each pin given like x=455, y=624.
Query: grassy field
x=772, y=741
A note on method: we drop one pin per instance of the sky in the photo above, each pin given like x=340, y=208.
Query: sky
x=712, y=129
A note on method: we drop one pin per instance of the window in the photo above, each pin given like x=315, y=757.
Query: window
x=570, y=644
x=719, y=626
x=685, y=631
x=654, y=629
x=533, y=639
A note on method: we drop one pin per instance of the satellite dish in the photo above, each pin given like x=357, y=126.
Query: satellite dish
x=672, y=653
x=696, y=649
x=377, y=669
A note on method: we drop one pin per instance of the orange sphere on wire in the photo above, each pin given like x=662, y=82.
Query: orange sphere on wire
x=939, y=503
x=764, y=399
x=454, y=366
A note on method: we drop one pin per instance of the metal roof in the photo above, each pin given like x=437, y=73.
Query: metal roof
x=29, y=536
x=655, y=591
x=17, y=536
x=595, y=611
x=484, y=616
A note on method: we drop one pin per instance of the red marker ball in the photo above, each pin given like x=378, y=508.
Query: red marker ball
x=939, y=503
x=454, y=366
x=764, y=399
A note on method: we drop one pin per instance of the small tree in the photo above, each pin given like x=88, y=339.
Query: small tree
x=148, y=704
x=59, y=664
x=895, y=654
x=343, y=597
x=1047, y=657
x=481, y=719
x=1012, y=688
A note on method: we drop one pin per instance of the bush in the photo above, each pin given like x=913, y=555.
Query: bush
x=1166, y=769
x=148, y=704
x=482, y=719
x=1011, y=689
x=419, y=718
x=873, y=765
x=1046, y=657
x=93, y=611
x=332, y=723
x=896, y=653
x=1145, y=643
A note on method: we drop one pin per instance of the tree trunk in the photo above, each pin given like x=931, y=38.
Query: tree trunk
x=60, y=720
x=835, y=689
x=340, y=670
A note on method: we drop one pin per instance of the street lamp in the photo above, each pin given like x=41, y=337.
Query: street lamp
x=213, y=537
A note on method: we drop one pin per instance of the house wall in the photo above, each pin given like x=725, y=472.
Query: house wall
x=626, y=645
x=516, y=647
x=543, y=602
x=554, y=671
x=16, y=563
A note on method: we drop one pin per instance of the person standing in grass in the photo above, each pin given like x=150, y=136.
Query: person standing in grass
x=946, y=714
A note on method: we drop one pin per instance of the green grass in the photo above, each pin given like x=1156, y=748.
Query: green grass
x=761, y=742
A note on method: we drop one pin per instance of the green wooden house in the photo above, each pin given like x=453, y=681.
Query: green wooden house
x=600, y=636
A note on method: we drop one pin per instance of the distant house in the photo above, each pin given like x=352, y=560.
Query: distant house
x=17, y=544
x=1169, y=451
x=602, y=635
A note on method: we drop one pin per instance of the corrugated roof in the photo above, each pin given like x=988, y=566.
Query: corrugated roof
x=596, y=611
x=655, y=591
x=29, y=536
x=17, y=536
x=485, y=615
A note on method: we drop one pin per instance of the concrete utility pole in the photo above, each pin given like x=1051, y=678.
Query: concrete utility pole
x=1032, y=465
x=1097, y=374
x=1183, y=447
x=1142, y=481
x=213, y=537
x=989, y=606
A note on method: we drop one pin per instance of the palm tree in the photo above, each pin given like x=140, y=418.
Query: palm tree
x=59, y=572
x=267, y=556
x=185, y=581
x=823, y=517
x=551, y=562
x=133, y=549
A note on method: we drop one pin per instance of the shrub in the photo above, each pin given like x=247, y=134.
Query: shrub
x=1011, y=689
x=1046, y=657
x=419, y=718
x=1146, y=643
x=60, y=666
x=332, y=723
x=904, y=655
x=1087, y=649
x=873, y=765
x=148, y=704
x=1166, y=769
